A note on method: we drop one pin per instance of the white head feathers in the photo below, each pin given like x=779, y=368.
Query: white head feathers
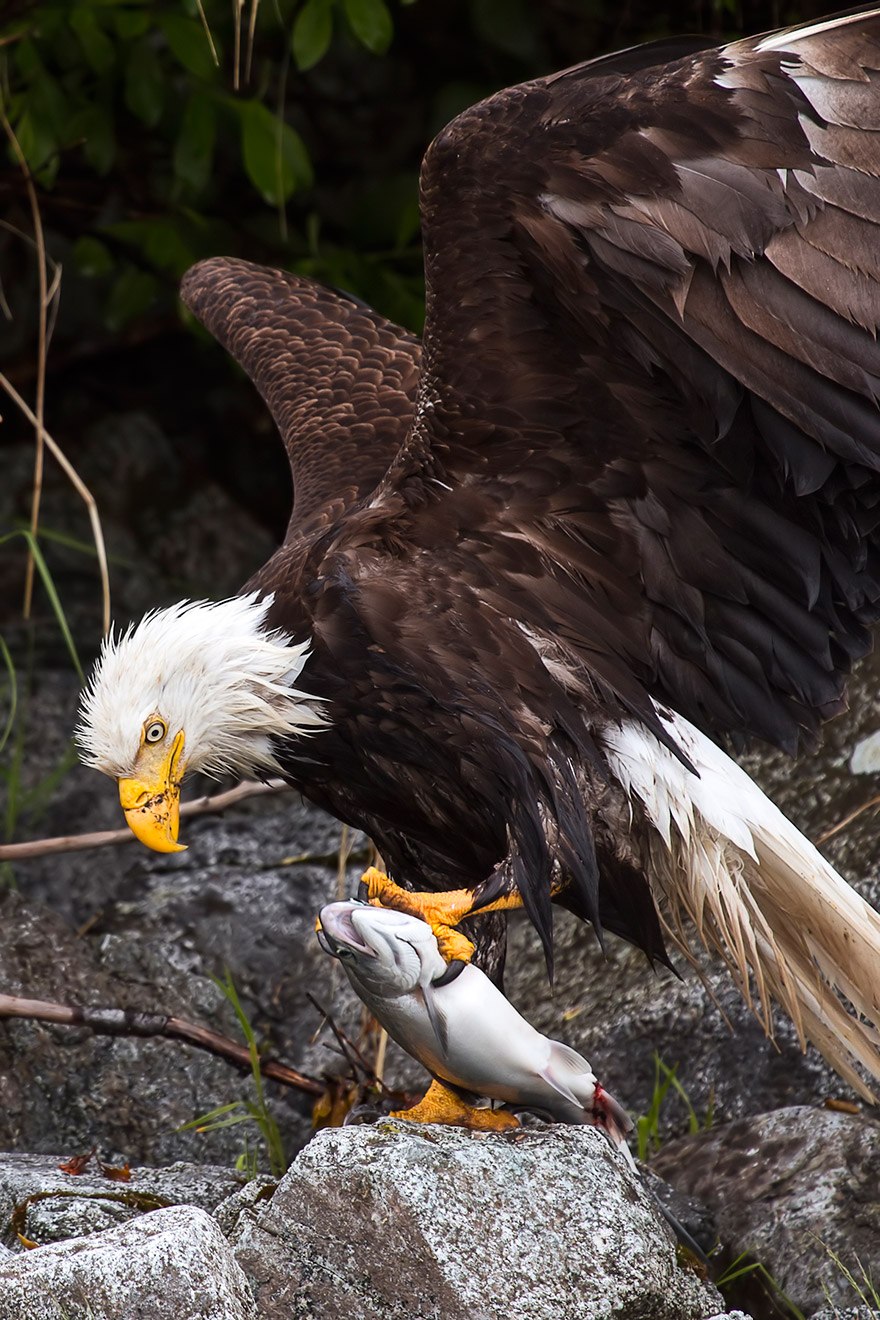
x=208, y=668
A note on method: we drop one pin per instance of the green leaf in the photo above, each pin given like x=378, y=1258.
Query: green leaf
x=131, y=23
x=144, y=84
x=94, y=125
x=509, y=25
x=194, y=148
x=39, y=146
x=91, y=257
x=131, y=296
x=371, y=23
x=275, y=157
x=161, y=240
x=189, y=44
x=312, y=32
x=97, y=46
x=28, y=60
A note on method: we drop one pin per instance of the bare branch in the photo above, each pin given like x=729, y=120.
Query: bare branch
x=129, y=1022
x=203, y=806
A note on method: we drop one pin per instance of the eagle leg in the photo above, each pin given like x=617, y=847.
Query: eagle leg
x=441, y=911
x=441, y=1104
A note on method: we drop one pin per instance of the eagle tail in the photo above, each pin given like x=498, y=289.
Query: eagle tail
x=758, y=892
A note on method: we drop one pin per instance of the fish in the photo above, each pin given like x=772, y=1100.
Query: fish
x=458, y=1024
x=469, y=1037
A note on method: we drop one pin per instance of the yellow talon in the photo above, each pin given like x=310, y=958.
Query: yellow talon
x=440, y=1104
x=441, y=911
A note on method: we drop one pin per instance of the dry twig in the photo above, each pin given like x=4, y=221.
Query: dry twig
x=848, y=820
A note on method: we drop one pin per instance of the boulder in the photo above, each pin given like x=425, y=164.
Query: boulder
x=43, y=1203
x=395, y=1221
x=172, y=1262
x=799, y=1190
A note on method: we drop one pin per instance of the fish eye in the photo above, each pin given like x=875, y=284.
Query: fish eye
x=154, y=731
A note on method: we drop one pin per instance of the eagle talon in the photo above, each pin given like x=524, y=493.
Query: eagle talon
x=440, y=1104
x=441, y=911
x=453, y=946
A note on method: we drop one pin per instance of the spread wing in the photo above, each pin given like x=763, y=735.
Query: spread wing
x=651, y=366
x=339, y=380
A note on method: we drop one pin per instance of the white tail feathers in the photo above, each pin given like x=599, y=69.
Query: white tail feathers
x=786, y=924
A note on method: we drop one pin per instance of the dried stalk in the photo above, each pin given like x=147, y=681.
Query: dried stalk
x=42, y=350
x=82, y=490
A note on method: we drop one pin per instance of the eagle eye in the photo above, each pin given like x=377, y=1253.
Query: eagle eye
x=154, y=732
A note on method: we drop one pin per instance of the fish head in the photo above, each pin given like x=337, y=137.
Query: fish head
x=385, y=953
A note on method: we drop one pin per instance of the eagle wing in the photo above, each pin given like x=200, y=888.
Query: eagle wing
x=651, y=370
x=339, y=380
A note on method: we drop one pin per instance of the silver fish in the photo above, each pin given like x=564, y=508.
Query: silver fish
x=458, y=1024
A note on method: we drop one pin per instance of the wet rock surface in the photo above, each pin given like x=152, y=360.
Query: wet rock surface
x=799, y=1190
x=172, y=1262
x=391, y=1222
x=43, y=1203
x=126, y=928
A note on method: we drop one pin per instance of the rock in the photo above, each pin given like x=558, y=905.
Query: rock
x=395, y=1221
x=229, y=1212
x=64, y=1089
x=850, y=1313
x=45, y=1204
x=157, y=928
x=172, y=1262
x=798, y=1189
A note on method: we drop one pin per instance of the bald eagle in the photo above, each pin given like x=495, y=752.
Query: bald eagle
x=622, y=503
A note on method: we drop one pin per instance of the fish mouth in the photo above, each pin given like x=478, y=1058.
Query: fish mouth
x=337, y=930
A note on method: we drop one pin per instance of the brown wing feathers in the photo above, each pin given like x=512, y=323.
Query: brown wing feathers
x=659, y=319
x=339, y=380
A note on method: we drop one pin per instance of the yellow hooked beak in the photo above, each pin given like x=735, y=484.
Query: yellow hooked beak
x=151, y=801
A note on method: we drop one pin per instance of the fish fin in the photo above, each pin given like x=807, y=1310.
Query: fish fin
x=436, y=1017
x=565, y=1066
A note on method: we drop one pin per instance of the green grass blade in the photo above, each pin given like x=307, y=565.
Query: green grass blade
x=13, y=693
x=54, y=598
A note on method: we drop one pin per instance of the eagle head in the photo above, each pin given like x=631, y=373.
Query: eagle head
x=200, y=685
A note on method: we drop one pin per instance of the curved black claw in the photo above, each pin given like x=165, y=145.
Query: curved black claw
x=363, y=893
x=454, y=969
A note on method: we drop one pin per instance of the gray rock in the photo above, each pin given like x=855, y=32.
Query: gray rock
x=395, y=1221
x=65, y=1089
x=241, y=899
x=731, y=1315
x=230, y=1211
x=172, y=1262
x=849, y=1313
x=45, y=1204
x=798, y=1189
